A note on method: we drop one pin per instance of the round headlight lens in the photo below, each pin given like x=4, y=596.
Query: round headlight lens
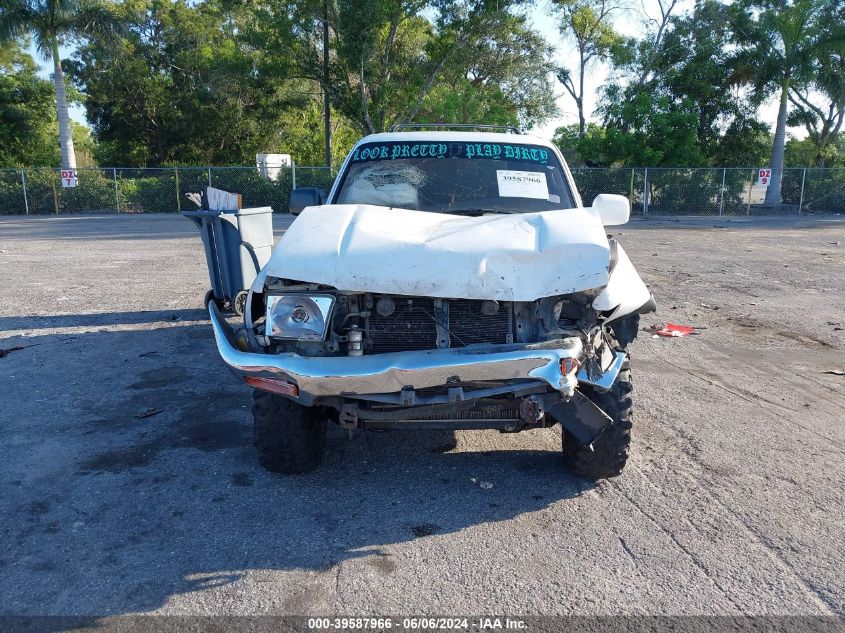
x=299, y=315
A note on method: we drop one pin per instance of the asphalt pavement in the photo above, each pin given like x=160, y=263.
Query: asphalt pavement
x=128, y=482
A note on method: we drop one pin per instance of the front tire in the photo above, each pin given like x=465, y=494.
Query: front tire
x=611, y=449
x=290, y=438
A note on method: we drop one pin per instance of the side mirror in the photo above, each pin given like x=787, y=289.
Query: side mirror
x=302, y=197
x=612, y=209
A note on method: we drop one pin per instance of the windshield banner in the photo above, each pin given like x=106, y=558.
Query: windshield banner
x=488, y=151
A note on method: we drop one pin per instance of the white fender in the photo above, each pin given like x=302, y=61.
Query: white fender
x=625, y=292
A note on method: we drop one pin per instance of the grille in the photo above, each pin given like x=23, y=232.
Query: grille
x=412, y=326
x=467, y=325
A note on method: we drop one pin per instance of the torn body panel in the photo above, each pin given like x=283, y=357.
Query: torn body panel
x=625, y=293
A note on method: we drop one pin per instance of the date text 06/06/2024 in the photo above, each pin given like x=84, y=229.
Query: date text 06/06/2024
x=415, y=623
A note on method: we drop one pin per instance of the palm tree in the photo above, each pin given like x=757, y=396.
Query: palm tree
x=779, y=41
x=52, y=22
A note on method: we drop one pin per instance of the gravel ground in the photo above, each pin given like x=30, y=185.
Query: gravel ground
x=732, y=502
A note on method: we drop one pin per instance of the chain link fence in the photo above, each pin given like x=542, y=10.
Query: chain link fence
x=148, y=190
x=652, y=191
x=714, y=191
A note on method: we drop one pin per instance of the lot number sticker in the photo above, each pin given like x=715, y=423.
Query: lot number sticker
x=522, y=184
x=764, y=175
x=68, y=178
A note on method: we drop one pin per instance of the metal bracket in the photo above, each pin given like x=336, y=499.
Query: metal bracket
x=407, y=397
x=441, y=321
x=581, y=417
x=348, y=416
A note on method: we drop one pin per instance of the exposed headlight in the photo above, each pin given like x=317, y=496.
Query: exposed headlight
x=298, y=316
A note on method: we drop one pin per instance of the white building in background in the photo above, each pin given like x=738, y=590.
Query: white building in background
x=269, y=165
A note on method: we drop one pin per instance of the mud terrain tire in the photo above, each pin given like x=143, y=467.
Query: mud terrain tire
x=610, y=450
x=290, y=438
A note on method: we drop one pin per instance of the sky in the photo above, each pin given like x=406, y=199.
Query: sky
x=629, y=22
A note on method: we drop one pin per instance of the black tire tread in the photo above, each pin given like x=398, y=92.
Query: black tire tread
x=610, y=451
x=290, y=438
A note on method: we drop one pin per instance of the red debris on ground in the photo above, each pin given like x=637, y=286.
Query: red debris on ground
x=672, y=329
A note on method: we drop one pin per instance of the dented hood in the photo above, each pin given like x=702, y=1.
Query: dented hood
x=520, y=257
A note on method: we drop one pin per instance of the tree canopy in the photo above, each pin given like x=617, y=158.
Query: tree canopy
x=26, y=110
x=217, y=81
x=51, y=23
x=783, y=44
x=687, y=93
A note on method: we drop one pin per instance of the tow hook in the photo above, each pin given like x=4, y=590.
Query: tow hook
x=531, y=410
x=348, y=416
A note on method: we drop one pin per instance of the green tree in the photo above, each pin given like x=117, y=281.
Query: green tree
x=84, y=144
x=587, y=24
x=779, y=40
x=746, y=143
x=501, y=79
x=196, y=94
x=392, y=59
x=823, y=122
x=587, y=149
x=302, y=135
x=693, y=64
x=637, y=59
x=659, y=108
x=51, y=23
x=645, y=130
x=27, y=112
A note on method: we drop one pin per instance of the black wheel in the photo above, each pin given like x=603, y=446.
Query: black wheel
x=625, y=330
x=209, y=296
x=290, y=438
x=239, y=302
x=610, y=450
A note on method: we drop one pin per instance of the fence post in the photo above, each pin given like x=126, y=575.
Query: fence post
x=23, y=184
x=293, y=174
x=630, y=192
x=55, y=196
x=116, y=190
x=178, y=201
x=750, y=187
x=645, y=192
x=209, y=176
x=722, y=193
x=801, y=198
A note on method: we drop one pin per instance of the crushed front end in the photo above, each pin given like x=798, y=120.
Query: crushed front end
x=383, y=360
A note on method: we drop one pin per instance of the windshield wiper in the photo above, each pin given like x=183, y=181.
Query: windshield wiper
x=477, y=212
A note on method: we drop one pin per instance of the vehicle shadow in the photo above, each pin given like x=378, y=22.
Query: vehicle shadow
x=101, y=319
x=141, y=482
x=109, y=226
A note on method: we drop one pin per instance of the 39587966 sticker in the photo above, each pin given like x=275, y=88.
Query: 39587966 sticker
x=522, y=184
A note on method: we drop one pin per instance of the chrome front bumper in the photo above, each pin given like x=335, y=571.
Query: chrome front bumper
x=392, y=372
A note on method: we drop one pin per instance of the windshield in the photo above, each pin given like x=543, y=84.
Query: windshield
x=455, y=177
